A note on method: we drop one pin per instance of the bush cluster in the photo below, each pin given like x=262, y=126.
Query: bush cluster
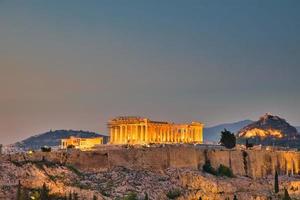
x=173, y=194
x=221, y=171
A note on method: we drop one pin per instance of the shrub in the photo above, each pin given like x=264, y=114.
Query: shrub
x=131, y=196
x=46, y=149
x=70, y=146
x=173, y=194
x=208, y=168
x=224, y=171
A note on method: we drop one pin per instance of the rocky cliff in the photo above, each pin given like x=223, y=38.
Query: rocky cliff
x=159, y=172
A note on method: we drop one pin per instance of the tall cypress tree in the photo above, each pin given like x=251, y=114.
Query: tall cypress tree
x=146, y=196
x=286, y=195
x=276, y=184
x=234, y=197
x=70, y=196
x=19, y=191
x=44, y=192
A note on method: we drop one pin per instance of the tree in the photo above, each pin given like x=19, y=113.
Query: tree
x=225, y=171
x=94, y=197
x=276, y=184
x=228, y=139
x=75, y=196
x=286, y=195
x=248, y=145
x=146, y=196
x=234, y=197
x=44, y=192
x=45, y=149
x=70, y=196
x=19, y=191
x=208, y=168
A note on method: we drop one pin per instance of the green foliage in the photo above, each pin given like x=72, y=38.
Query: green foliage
x=70, y=146
x=286, y=195
x=146, y=196
x=131, y=196
x=70, y=196
x=208, y=168
x=174, y=193
x=276, y=184
x=225, y=171
x=75, y=196
x=44, y=192
x=94, y=197
x=234, y=197
x=221, y=171
x=19, y=191
x=228, y=139
x=45, y=149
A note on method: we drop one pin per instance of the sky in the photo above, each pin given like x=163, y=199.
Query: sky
x=76, y=64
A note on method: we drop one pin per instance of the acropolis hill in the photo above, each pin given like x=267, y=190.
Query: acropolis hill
x=252, y=163
x=155, y=158
x=253, y=170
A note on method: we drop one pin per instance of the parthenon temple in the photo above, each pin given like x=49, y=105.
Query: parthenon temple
x=137, y=130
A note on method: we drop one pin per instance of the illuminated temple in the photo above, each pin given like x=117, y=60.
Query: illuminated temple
x=137, y=130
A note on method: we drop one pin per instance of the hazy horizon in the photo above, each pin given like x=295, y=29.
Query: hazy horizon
x=75, y=65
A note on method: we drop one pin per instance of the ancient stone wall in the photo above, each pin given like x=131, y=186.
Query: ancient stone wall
x=253, y=163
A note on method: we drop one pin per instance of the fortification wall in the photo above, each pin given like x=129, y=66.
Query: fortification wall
x=253, y=163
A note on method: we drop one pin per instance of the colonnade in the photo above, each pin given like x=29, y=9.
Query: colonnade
x=153, y=133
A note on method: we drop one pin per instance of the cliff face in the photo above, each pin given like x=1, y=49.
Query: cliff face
x=155, y=171
x=252, y=163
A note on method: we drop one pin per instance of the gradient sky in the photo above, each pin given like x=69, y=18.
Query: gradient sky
x=76, y=64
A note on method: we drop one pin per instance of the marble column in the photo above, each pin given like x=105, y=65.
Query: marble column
x=146, y=133
x=111, y=135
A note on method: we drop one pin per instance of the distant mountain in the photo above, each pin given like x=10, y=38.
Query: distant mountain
x=270, y=130
x=53, y=138
x=213, y=134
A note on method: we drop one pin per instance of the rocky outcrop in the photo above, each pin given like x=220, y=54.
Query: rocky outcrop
x=252, y=163
x=117, y=182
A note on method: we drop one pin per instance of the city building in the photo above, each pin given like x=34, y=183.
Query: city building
x=81, y=143
x=137, y=130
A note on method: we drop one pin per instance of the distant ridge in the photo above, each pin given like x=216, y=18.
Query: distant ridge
x=53, y=138
x=213, y=134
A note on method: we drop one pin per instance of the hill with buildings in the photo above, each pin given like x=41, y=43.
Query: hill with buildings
x=53, y=138
x=270, y=130
x=213, y=134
